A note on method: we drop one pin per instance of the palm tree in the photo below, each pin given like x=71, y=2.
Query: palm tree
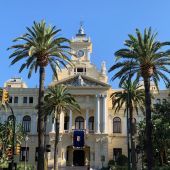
x=58, y=100
x=39, y=47
x=143, y=57
x=132, y=97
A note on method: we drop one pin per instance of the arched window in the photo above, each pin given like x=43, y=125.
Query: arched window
x=66, y=123
x=26, y=123
x=79, y=123
x=91, y=123
x=116, y=125
x=10, y=118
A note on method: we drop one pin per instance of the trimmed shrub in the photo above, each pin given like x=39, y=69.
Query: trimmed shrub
x=111, y=163
x=122, y=160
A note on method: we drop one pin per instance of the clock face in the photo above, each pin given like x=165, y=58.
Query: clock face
x=80, y=53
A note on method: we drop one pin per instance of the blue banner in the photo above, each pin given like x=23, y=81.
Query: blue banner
x=78, y=138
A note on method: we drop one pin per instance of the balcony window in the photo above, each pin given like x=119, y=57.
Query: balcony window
x=79, y=123
x=116, y=153
x=26, y=123
x=116, y=125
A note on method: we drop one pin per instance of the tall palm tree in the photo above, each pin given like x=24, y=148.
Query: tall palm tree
x=131, y=97
x=40, y=47
x=143, y=57
x=58, y=100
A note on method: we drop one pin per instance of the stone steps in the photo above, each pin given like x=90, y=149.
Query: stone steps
x=71, y=168
x=74, y=168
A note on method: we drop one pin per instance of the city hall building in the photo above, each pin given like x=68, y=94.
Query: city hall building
x=90, y=138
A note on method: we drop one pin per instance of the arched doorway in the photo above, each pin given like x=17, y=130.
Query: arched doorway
x=78, y=157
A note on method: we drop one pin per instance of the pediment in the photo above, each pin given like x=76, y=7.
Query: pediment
x=82, y=81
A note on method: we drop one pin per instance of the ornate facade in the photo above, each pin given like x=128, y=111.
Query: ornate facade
x=103, y=132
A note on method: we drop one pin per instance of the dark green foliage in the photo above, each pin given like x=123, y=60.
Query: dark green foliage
x=160, y=135
x=136, y=96
x=105, y=168
x=122, y=160
x=111, y=163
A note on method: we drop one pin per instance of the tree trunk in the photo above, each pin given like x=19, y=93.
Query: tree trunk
x=56, y=143
x=161, y=154
x=149, y=150
x=40, y=165
x=132, y=137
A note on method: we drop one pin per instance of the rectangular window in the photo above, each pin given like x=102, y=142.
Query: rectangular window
x=15, y=99
x=116, y=153
x=30, y=99
x=79, y=70
x=10, y=99
x=66, y=125
x=24, y=156
x=24, y=99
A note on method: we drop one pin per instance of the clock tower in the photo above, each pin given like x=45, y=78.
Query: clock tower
x=81, y=46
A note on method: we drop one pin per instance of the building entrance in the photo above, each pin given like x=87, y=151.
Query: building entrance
x=78, y=157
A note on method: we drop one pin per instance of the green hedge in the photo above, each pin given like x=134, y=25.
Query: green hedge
x=29, y=167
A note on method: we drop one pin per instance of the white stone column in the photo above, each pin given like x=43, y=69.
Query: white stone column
x=53, y=126
x=104, y=113
x=62, y=122
x=70, y=121
x=33, y=124
x=97, y=115
x=87, y=120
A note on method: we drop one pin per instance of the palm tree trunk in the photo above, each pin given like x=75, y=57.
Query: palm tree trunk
x=56, y=143
x=132, y=135
x=149, y=150
x=41, y=120
x=161, y=160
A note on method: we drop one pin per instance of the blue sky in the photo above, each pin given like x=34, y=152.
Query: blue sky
x=107, y=22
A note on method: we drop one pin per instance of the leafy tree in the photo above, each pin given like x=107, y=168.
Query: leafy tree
x=6, y=138
x=57, y=100
x=40, y=46
x=132, y=97
x=161, y=132
x=143, y=57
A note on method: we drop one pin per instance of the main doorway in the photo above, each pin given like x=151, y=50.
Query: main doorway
x=78, y=157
